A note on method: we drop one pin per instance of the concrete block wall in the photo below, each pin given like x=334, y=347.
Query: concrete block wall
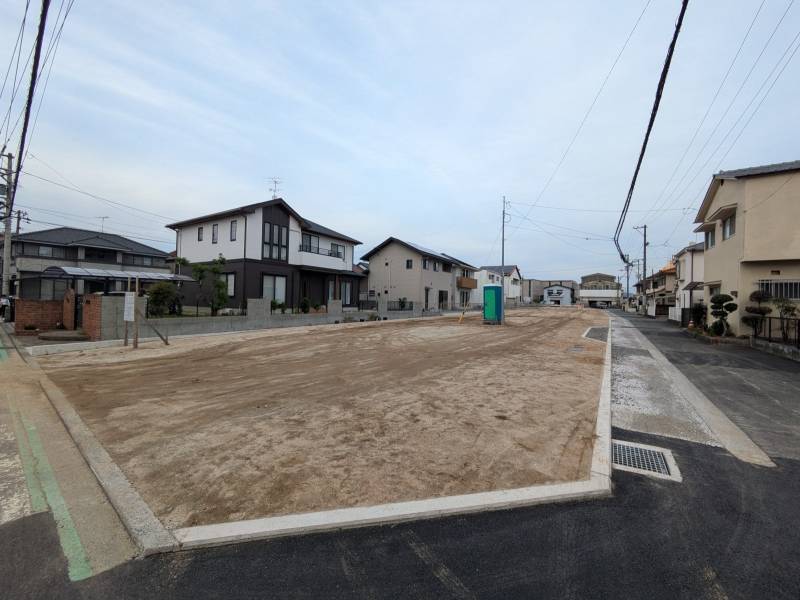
x=92, y=316
x=68, y=309
x=42, y=314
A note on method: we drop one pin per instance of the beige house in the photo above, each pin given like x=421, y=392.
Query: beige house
x=400, y=271
x=600, y=289
x=751, y=222
x=659, y=291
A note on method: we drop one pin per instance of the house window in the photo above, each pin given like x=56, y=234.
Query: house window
x=273, y=287
x=230, y=283
x=346, y=288
x=728, y=227
x=233, y=230
x=435, y=265
x=426, y=264
x=713, y=291
x=780, y=288
x=409, y=263
x=310, y=243
x=276, y=241
x=214, y=233
x=331, y=290
x=199, y=234
x=711, y=238
x=337, y=250
x=447, y=267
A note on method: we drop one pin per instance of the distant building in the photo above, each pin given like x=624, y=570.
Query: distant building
x=750, y=219
x=558, y=294
x=659, y=291
x=689, y=273
x=508, y=276
x=600, y=289
x=533, y=289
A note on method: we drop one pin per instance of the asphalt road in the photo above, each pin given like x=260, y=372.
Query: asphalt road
x=757, y=391
x=728, y=531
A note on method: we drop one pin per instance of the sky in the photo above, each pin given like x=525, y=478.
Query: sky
x=409, y=119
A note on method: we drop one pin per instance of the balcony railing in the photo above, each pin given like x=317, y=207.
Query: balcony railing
x=322, y=251
x=468, y=283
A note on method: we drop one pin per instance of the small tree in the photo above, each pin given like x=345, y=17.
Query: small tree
x=756, y=314
x=305, y=305
x=217, y=295
x=698, y=314
x=786, y=310
x=721, y=306
x=160, y=297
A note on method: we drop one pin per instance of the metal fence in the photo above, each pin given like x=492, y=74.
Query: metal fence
x=367, y=305
x=782, y=331
x=398, y=305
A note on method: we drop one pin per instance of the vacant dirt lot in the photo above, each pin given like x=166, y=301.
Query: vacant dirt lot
x=267, y=423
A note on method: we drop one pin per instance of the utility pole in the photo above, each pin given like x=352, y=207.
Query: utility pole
x=102, y=223
x=627, y=276
x=12, y=184
x=644, y=260
x=9, y=174
x=21, y=214
x=503, y=261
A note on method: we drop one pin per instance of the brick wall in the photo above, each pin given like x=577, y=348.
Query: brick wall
x=68, y=310
x=41, y=314
x=93, y=316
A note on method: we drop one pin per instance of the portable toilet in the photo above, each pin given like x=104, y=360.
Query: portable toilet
x=493, y=304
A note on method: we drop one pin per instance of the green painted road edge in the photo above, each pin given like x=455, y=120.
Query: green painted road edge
x=78, y=566
x=38, y=502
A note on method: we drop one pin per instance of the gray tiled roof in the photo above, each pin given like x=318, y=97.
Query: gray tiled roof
x=793, y=165
x=509, y=269
x=70, y=236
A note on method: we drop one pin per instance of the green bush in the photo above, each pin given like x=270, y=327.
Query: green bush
x=721, y=306
x=305, y=305
x=160, y=297
x=717, y=327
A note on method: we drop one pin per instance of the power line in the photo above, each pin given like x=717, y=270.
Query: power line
x=659, y=90
x=17, y=45
x=708, y=109
x=595, y=235
x=666, y=201
x=86, y=217
x=137, y=237
x=588, y=110
x=101, y=198
x=29, y=102
x=591, y=210
x=744, y=112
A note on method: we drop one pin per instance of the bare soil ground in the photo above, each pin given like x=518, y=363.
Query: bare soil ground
x=267, y=423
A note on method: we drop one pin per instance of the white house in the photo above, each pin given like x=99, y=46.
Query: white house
x=558, y=294
x=689, y=274
x=509, y=276
x=273, y=252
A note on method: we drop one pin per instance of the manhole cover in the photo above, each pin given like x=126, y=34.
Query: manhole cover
x=645, y=460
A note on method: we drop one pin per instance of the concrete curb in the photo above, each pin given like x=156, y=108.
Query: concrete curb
x=598, y=485
x=152, y=537
x=146, y=530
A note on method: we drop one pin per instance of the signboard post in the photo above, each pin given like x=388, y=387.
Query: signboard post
x=127, y=312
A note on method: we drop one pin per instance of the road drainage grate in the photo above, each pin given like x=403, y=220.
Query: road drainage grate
x=643, y=459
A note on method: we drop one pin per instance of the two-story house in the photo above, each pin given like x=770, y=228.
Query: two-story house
x=271, y=252
x=559, y=293
x=750, y=221
x=33, y=252
x=659, y=291
x=689, y=274
x=508, y=276
x=600, y=289
x=428, y=279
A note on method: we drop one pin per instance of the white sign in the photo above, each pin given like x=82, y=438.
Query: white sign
x=130, y=303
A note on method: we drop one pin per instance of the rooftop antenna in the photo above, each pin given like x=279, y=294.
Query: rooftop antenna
x=102, y=223
x=275, y=181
